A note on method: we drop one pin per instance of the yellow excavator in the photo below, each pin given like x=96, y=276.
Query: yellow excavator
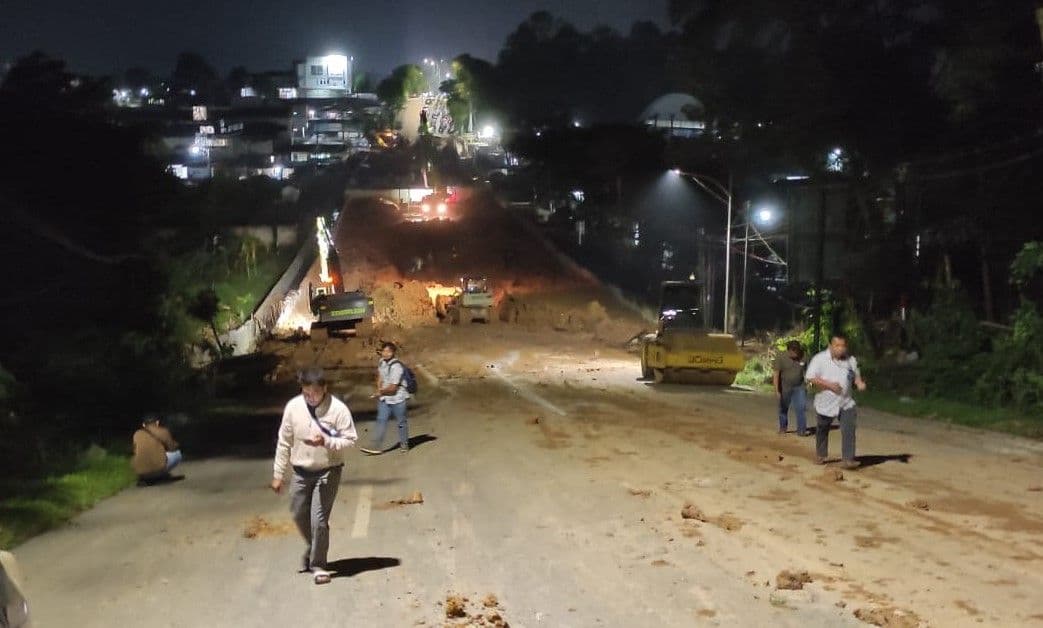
x=682, y=349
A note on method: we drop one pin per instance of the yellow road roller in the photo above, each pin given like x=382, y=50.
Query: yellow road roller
x=682, y=349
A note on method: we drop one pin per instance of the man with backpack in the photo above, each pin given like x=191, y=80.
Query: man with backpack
x=395, y=383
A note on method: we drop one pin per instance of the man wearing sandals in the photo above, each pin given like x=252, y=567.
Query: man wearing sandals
x=316, y=429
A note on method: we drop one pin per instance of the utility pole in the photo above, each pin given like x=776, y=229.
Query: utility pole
x=1039, y=21
x=820, y=272
x=704, y=272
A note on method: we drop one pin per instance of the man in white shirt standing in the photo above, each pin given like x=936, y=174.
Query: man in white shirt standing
x=316, y=429
x=834, y=373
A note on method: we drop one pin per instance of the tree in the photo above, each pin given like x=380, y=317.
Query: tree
x=471, y=91
x=404, y=82
x=238, y=78
x=43, y=82
x=362, y=82
x=193, y=74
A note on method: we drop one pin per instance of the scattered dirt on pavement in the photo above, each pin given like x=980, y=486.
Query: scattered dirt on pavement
x=707, y=613
x=835, y=474
x=792, y=580
x=534, y=421
x=659, y=562
x=641, y=492
x=728, y=522
x=888, y=617
x=261, y=528
x=919, y=504
x=967, y=606
x=874, y=541
x=416, y=498
x=490, y=601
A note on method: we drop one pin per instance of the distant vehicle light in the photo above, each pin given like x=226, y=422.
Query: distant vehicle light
x=426, y=208
x=442, y=208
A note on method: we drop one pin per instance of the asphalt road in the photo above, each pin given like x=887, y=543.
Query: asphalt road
x=573, y=519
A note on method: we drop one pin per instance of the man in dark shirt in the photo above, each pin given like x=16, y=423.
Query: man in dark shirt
x=790, y=388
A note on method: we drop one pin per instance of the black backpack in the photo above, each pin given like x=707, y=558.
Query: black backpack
x=408, y=378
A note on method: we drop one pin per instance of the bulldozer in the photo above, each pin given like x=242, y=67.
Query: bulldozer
x=682, y=349
x=472, y=301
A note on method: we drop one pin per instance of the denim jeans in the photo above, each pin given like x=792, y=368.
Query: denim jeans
x=384, y=412
x=173, y=459
x=848, y=423
x=797, y=398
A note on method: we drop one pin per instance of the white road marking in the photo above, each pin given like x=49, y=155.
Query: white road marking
x=528, y=395
x=524, y=393
x=365, y=505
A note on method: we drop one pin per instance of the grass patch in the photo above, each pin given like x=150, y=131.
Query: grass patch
x=37, y=506
x=756, y=373
x=240, y=293
x=997, y=419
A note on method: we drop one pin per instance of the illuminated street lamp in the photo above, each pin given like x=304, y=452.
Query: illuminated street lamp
x=723, y=194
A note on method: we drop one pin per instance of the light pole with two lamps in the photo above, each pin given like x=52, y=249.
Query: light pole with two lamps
x=723, y=194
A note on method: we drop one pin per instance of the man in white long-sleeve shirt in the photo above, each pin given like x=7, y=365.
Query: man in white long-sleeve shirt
x=316, y=429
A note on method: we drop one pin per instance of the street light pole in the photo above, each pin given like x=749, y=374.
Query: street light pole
x=724, y=195
x=728, y=255
x=745, y=265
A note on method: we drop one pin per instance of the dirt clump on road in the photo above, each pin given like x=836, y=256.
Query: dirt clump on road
x=416, y=498
x=919, y=504
x=691, y=511
x=455, y=606
x=792, y=580
x=834, y=474
x=260, y=528
x=888, y=617
x=641, y=492
x=487, y=613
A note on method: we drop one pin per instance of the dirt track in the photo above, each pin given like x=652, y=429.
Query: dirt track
x=554, y=479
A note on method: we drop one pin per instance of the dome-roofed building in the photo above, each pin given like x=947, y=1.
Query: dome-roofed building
x=677, y=114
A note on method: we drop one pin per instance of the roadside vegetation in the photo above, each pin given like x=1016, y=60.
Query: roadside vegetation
x=36, y=505
x=100, y=317
x=944, y=364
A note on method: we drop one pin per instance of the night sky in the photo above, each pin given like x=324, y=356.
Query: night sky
x=109, y=36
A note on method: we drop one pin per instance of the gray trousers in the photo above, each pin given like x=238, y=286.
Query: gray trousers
x=312, y=494
x=848, y=423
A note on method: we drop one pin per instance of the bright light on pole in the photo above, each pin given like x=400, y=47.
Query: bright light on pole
x=724, y=195
x=765, y=216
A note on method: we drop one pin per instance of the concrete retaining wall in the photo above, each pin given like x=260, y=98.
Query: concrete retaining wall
x=245, y=338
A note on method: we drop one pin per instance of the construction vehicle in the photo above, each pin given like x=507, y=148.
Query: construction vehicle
x=472, y=301
x=336, y=310
x=683, y=349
